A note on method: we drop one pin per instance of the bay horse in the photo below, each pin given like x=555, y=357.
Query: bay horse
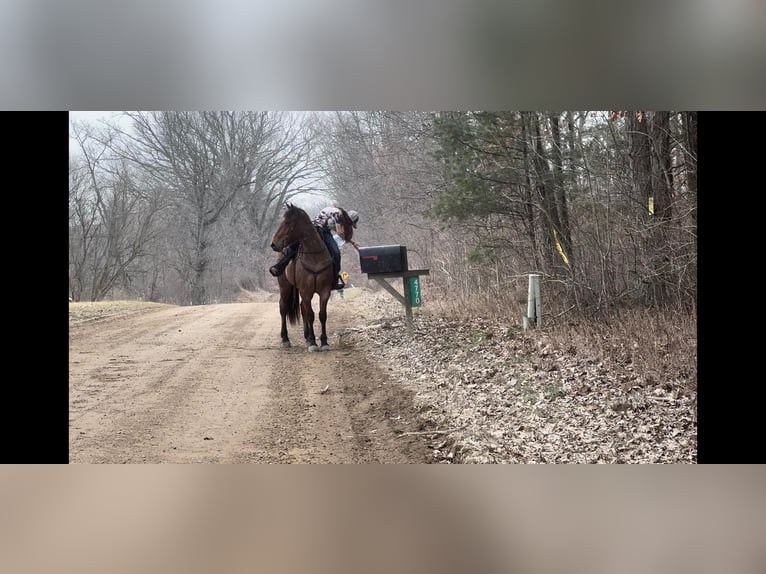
x=309, y=273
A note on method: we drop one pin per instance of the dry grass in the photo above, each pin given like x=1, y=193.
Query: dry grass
x=662, y=346
x=95, y=310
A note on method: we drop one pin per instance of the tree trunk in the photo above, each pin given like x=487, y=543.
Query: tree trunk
x=199, y=259
x=563, y=234
x=690, y=157
x=640, y=159
x=547, y=200
x=661, y=185
x=662, y=179
x=640, y=154
x=529, y=204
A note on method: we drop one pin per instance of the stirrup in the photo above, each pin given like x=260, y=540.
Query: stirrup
x=339, y=284
x=275, y=271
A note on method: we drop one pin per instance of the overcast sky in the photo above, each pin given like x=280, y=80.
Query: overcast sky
x=92, y=117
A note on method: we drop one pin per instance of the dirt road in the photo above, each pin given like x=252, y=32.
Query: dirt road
x=211, y=384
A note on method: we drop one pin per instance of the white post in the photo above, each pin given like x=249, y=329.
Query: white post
x=538, y=302
x=534, y=303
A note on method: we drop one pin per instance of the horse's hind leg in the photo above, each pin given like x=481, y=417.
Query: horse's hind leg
x=285, y=338
x=323, y=320
x=308, y=325
x=283, y=332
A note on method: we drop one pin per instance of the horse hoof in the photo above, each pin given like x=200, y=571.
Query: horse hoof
x=285, y=344
x=324, y=348
x=313, y=348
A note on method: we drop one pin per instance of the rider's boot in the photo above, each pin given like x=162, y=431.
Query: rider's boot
x=287, y=255
x=339, y=284
x=279, y=267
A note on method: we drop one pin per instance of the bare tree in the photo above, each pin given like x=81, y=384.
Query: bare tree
x=380, y=164
x=112, y=220
x=288, y=168
x=213, y=162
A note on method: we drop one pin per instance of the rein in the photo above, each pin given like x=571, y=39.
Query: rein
x=315, y=272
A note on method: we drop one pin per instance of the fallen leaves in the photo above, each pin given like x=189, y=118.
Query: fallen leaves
x=513, y=397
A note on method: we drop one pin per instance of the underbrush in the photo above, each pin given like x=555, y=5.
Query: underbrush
x=618, y=389
x=660, y=345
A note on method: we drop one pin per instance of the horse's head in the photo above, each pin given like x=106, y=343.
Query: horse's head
x=294, y=226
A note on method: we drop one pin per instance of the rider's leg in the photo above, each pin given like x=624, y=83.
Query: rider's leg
x=335, y=252
x=289, y=253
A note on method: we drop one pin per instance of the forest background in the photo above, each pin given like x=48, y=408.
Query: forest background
x=180, y=207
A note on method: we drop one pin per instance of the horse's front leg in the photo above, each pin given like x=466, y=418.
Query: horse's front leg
x=283, y=312
x=308, y=325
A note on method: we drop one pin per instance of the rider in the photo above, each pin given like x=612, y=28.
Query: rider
x=336, y=226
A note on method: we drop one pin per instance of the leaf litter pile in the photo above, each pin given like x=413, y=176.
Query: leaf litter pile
x=488, y=392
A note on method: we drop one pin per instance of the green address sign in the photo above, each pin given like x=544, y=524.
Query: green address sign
x=415, y=297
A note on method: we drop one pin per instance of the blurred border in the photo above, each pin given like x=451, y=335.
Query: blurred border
x=339, y=54
x=531, y=519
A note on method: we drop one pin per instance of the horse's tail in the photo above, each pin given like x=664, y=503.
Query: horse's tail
x=293, y=306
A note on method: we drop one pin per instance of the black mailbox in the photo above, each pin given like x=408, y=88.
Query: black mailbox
x=383, y=259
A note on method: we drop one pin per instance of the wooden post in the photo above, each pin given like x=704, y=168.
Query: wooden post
x=406, y=299
x=407, y=302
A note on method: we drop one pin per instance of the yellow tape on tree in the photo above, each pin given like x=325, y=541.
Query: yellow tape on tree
x=560, y=249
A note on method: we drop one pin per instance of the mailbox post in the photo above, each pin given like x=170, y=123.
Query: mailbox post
x=389, y=261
